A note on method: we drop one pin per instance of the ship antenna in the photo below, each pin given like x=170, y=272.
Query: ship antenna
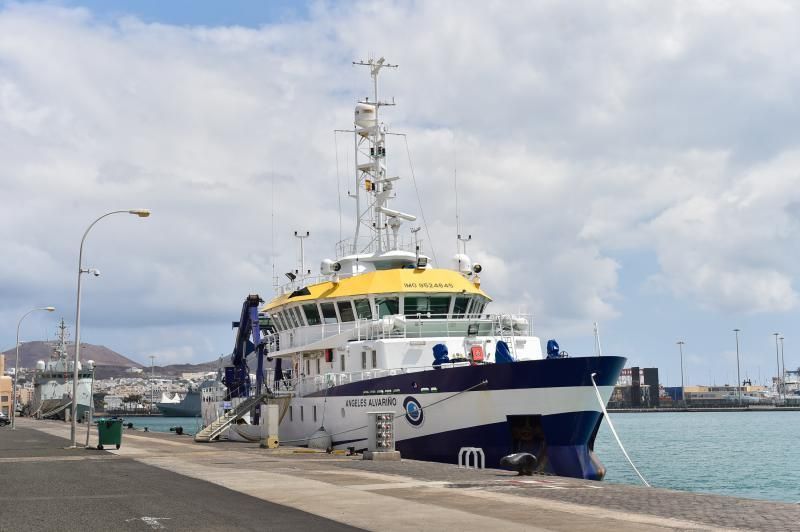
x=338, y=184
x=414, y=231
x=272, y=229
x=370, y=144
x=455, y=187
x=461, y=242
x=598, y=350
x=300, y=236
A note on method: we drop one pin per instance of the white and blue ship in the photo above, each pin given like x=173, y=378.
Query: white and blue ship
x=382, y=329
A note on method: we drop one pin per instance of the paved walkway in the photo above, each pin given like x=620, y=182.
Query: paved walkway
x=411, y=495
x=46, y=487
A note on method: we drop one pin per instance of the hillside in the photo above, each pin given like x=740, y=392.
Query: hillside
x=30, y=352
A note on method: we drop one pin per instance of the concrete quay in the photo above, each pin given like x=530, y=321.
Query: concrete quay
x=168, y=482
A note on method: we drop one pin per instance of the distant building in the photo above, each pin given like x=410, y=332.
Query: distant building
x=6, y=388
x=197, y=375
x=637, y=388
x=113, y=402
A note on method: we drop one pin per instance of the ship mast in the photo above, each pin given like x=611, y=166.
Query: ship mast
x=60, y=352
x=370, y=158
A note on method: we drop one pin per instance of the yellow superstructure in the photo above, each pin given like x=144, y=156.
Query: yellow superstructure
x=394, y=281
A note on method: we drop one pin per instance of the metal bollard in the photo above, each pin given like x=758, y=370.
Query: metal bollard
x=474, y=455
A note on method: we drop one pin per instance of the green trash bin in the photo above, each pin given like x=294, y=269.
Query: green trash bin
x=109, y=431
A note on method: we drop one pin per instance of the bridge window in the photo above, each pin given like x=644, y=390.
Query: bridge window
x=363, y=309
x=346, y=311
x=341, y=361
x=387, y=306
x=437, y=306
x=312, y=314
x=291, y=414
x=301, y=413
x=363, y=360
x=287, y=317
x=374, y=359
x=328, y=312
x=473, y=306
x=318, y=366
x=460, y=306
x=314, y=410
x=299, y=315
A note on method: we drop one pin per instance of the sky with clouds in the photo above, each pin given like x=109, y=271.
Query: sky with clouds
x=631, y=163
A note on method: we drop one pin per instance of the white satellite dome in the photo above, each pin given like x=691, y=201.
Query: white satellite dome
x=366, y=115
x=326, y=267
x=463, y=263
x=40, y=365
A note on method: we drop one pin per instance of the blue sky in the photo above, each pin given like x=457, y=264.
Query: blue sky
x=191, y=13
x=631, y=164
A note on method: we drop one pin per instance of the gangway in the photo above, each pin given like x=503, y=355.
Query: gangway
x=216, y=428
x=56, y=410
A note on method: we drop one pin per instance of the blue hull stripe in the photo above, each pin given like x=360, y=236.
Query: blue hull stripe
x=569, y=440
x=551, y=373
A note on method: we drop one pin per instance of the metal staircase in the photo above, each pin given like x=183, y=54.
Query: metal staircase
x=216, y=428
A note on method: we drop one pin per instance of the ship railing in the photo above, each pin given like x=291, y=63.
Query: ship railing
x=410, y=326
x=426, y=325
x=369, y=244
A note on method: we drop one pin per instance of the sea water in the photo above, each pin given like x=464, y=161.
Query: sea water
x=190, y=425
x=746, y=454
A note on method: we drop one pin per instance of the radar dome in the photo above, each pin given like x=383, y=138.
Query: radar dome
x=326, y=267
x=463, y=264
x=365, y=115
x=40, y=365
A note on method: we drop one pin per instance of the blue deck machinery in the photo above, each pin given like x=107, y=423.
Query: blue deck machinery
x=249, y=339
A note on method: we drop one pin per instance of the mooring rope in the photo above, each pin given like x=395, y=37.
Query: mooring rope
x=613, y=431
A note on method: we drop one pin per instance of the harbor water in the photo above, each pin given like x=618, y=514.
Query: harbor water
x=745, y=454
x=162, y=423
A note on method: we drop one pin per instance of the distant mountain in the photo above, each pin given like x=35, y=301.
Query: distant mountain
x=31, y=352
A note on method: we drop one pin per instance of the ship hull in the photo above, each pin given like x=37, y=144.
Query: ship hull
x=52, y=397
x=546, y=407
x=188, y=407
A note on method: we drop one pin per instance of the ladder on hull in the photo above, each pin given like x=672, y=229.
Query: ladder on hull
x=216, y=428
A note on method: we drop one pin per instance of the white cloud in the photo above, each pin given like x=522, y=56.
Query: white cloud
x=579, y=131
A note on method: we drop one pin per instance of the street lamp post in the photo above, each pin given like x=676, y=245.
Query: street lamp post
x=738, y=374
x=16, y=367
x=778, y=362
x=783, y=373
x=141, y=213
x=683, y=393
x=152, y=382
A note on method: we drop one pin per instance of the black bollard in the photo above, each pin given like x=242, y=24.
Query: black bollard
x=522, y=463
